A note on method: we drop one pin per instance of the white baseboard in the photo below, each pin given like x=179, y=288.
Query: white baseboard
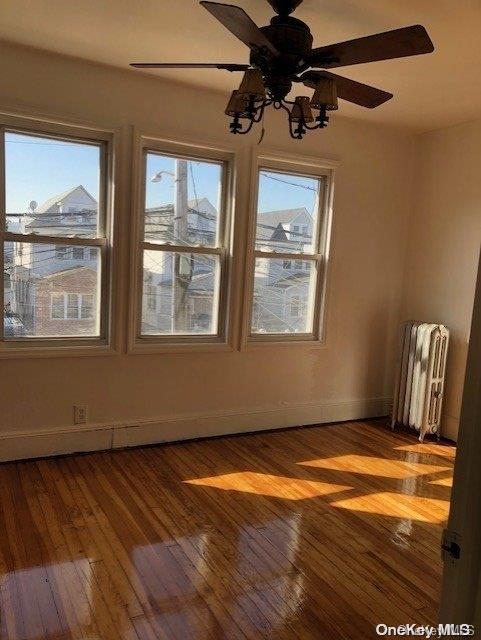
x=60, y=441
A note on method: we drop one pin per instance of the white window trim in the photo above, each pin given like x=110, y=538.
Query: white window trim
x=305, y=166
x=224, y=339
x=108, y=342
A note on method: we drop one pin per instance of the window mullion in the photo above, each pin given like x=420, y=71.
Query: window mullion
x=171, y=248
x=287, y=256
x=33, y=238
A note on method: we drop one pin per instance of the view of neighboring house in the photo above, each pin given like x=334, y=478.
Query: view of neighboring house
x=50, y=289
x=53, y=286
x=281, y=287
x=196, y=272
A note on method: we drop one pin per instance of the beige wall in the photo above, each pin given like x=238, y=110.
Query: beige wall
x=443, y=246
x=180, y=395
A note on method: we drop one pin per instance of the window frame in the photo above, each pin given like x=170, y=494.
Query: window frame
x=303, y=166
x=106, y=140
x=223, y=339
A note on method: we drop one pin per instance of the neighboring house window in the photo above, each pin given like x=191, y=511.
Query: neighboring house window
x=61, y=252
x=71, y=306
x=57, y=306
x=78, y=253
x=295, y=306
x=274, y=314
x=184, y=246
x=78, y=171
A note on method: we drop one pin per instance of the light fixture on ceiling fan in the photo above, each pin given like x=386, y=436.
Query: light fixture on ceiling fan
x=282, y=54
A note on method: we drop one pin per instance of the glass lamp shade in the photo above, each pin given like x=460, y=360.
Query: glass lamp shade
x=325, y=95
x=301, y=110
x=252, y=85
x=237, y=106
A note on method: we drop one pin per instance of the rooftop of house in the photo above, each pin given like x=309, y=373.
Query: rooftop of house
x=281, y=216
x=59, y=198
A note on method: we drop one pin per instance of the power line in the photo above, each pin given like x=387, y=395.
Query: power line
x=292, y=184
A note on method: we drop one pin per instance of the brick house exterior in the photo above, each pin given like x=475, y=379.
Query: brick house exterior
x=75, y=287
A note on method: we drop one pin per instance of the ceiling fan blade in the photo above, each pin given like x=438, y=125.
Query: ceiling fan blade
x=408, y=41
x=241, y=25
x=188, y=65
x=350, y=90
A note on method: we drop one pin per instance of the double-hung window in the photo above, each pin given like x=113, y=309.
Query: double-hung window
x=184, y=246
x=54, y=241
x=289, y=252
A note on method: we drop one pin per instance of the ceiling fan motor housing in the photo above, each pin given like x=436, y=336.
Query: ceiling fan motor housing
x=293, y=39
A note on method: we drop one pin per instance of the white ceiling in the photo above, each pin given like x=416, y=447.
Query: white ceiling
x=431, y=91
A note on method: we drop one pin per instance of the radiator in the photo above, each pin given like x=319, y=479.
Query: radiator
x=419, y=388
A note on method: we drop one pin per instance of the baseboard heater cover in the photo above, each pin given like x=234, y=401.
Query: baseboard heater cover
x=419, y=388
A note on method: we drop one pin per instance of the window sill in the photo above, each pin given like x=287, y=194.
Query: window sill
x=273, y=343
x=149, y=347
x=18, y=350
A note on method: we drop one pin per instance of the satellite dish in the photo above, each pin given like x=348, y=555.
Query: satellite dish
x=33, y=205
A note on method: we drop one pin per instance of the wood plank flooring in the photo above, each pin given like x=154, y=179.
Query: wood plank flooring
x=314, y=533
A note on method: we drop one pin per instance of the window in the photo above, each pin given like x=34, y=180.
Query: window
x=78, y=253
x=289, y=259
x=44, y=246
x=72, y=306
x=184, y=247
x=60, y=252
x=295, y=307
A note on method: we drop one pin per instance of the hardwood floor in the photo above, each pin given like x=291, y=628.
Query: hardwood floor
x=311, y=533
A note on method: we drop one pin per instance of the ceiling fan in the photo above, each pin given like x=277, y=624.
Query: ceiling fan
x=281, y=54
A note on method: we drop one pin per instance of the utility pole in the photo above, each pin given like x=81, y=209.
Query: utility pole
x=182, y=267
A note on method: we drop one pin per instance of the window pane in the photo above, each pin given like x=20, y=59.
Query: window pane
x=87, y=308
x=180, y=293
x=182, y=201
x=45, y=291
x=287, y=212
x=58, y=305
x=51, y=186
x=72, y=306
x=283, y=300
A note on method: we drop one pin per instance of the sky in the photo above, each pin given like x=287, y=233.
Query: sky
x=40, y=168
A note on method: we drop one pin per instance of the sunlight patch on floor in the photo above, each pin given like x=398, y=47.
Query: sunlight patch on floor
x=449, y=451
x=373, y=466
x=443, y=482
x=398, y=505
x=269, y=485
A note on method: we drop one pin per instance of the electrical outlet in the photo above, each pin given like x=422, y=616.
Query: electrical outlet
x=80, y=413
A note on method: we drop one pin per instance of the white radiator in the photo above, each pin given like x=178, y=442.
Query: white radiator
x=419, y=389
